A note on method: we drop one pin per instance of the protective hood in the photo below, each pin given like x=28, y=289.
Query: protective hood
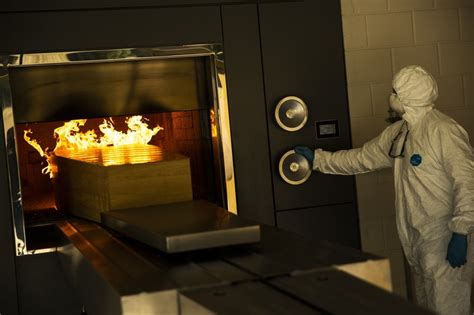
x=417, y=91
x=413, y=114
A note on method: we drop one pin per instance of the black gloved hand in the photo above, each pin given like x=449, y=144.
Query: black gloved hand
x=307, y=153
x=457, y=250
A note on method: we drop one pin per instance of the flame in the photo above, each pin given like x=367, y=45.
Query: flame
x=138, y=132
x=43, y=153
x=213, y=124
x=69, y=137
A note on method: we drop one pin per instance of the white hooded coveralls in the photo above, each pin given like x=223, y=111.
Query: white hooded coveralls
x=434, y=186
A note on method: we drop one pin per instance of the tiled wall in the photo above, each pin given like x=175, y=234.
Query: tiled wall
x=380, y=37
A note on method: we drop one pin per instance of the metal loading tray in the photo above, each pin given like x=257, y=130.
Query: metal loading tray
x=183, y=226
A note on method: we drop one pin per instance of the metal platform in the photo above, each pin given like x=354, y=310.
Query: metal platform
x=185, y=226
x=112, y=274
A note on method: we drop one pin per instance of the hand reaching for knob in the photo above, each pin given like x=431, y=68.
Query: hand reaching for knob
x=307, y=153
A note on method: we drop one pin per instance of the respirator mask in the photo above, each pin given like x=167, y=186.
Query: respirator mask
x=396, y=109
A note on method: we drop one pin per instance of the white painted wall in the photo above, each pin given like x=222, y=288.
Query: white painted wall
x=380, y=37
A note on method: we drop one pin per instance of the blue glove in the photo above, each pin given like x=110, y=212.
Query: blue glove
x=307, y=153
x=457, y=250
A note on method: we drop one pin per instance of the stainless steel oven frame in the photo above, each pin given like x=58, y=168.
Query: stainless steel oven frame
x=219, y=90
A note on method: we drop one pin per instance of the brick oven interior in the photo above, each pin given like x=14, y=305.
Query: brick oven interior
x=186, y=132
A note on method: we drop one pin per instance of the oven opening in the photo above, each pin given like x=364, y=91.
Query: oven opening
x=76, y=166
x=94, y=132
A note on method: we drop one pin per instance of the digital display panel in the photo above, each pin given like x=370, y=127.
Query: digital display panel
x=327, y=129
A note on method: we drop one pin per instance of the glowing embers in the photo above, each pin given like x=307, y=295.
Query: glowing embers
x=71, y=140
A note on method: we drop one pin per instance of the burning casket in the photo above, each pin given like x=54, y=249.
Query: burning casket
x=117, y=170
x=96, y=180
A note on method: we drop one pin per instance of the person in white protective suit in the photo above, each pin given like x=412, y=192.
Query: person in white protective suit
x=433, y=167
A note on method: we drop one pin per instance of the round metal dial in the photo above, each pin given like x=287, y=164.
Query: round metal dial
x=294, y=168
x=291, y=113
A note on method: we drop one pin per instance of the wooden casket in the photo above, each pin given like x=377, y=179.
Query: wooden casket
x=97, y=180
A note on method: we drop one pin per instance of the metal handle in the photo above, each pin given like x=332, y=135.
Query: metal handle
x=294, y=168
x=291, y=113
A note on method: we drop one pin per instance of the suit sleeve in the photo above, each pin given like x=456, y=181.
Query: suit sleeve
x=373, y=155
x=458, y=161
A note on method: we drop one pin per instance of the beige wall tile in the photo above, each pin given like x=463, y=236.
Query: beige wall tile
x=467, y=23
x=407, y=5
x=385, y=176
x=347, y=7
x=425, y=56
x=456, y=58
x=392, y=241
x=375, y=201
x=469, y=90
x=370, y=6
x=400, y=288
x=380, y=96
x=365, y=129
x=387, y=204
x=367, y=179
x=355, y=35
x=388, y=30
x=451, y=92
x=372, y=235
x=380, y=253
x=360, y=101
x=397, y=264
x=367, y=211
x=385, y=179
x=453, y=3
x=437, y=25
x=369, y=66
